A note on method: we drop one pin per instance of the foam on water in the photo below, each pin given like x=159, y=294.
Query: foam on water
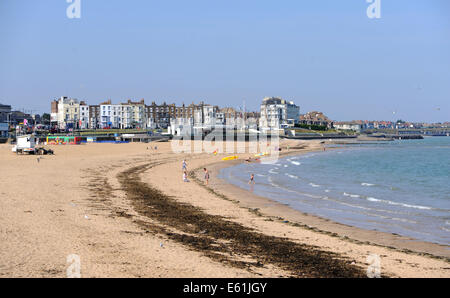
x=272, y=171
x=291, y=176
x=398, y=187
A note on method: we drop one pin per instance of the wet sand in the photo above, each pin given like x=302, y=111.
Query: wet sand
x=126, y=212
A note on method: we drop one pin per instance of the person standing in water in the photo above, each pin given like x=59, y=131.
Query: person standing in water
x=252, y=179
x=206, y=176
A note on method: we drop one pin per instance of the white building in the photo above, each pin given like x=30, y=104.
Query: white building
x=133, y=115
x=110, y=115
x=210, y=115
x=206, y=115
x=181, y=126
x=355, y=126
x=127, y=116
x=277, y=113
x=68, y=113
x=84, y=116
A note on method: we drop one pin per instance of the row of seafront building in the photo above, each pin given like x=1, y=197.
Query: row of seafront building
x=275, y=113
x=69, y=113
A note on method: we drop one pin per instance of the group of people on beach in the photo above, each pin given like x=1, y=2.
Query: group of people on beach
x=185, y=176
x=184, y=169
x=206, y=174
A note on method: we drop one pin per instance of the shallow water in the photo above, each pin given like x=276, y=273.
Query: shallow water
x=398, y=187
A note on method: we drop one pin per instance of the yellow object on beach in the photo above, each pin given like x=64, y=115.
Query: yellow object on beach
x=230, y=158
x=260, y=154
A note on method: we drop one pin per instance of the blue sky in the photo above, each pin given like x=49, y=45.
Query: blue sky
x=325, y=55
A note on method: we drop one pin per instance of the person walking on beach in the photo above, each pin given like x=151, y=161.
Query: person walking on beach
x=184, y=167
x=206, y=176
x=252, y=179
x=185, y=179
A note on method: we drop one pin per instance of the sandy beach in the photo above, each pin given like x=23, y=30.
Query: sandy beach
x=126, y=212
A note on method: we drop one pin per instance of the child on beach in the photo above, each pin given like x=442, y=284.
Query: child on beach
x=184, y=167
x=252, y=179
x=206, y=176
x=185, y=179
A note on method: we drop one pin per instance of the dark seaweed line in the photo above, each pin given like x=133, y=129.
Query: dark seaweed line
x=224, y=240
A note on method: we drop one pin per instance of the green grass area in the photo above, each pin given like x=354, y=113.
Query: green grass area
x=100, y=132
x=112, y=131
x=329, y=131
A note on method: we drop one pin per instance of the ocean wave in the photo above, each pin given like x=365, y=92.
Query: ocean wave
x=392, y=218
x=400, y=204
x=271, y=171
x=291, y=176
x=291, y=190
x=314, y=185
x=351, y=195
x=362, y=207
x=347, y=204
x=367, y=184
x=445, y=229
x=296, y=163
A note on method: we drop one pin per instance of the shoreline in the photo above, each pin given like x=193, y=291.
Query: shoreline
x=269, y=208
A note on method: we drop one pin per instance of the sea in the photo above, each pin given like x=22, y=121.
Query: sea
x=400, y=187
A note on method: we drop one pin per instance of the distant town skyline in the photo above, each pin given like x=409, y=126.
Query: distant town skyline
x=325, y=56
